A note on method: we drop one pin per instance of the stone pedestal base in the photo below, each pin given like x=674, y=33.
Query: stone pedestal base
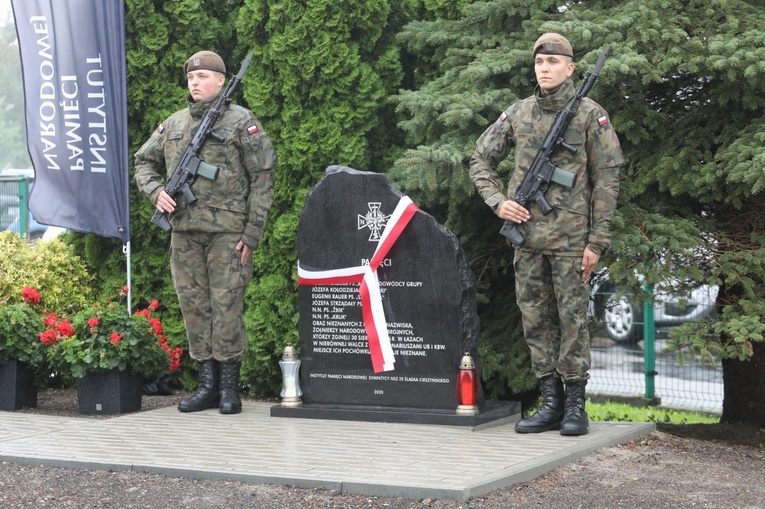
x=491, y=413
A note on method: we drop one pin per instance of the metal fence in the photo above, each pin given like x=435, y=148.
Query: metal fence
x=630, y=357
x=14, y=197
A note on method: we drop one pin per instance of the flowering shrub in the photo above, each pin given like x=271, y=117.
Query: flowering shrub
x=20, y=323
x=105, y=336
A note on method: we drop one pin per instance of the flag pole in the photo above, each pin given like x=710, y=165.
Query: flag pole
x=126, y=250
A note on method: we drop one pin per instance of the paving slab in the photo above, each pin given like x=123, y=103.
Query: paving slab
x=413, y=461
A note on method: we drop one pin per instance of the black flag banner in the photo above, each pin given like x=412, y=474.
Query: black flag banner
x=73, y=63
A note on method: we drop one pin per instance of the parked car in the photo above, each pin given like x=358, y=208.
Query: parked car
x=623, y=320
x=35, y=230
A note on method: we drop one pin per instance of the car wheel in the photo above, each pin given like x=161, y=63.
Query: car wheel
x=623, y=320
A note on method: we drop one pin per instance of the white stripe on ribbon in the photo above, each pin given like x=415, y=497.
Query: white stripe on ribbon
x=380, y=348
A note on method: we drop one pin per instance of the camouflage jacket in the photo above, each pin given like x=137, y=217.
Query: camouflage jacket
x=581, y=215
x=240, y=198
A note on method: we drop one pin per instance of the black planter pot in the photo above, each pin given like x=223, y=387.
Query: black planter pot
x=113, y=392
x=17, y=388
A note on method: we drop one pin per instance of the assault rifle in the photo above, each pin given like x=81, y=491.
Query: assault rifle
x=190, y=166
x=542, y=171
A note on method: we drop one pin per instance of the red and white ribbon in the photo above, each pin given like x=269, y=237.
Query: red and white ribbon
x=380, y=349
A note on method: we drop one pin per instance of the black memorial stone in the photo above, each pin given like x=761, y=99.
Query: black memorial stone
x=428, y=295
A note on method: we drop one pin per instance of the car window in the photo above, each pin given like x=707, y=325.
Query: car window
x=8, y=215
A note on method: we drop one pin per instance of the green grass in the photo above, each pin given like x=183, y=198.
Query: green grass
x=610, y=411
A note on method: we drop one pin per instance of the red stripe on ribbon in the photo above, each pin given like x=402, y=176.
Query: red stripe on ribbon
x=386, y=243
x=330, y=280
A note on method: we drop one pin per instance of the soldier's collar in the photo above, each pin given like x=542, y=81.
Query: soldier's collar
x=556, y=100
x=198, y=110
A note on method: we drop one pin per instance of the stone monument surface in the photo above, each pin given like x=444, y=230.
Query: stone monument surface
x=427, y=295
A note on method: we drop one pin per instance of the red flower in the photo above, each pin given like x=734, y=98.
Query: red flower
x=156, y=325
x=30, y=296
x=65, y=328
x=50, y=320
x=175, y=358
x=144, y=312
x=93, y=323
x=175, y=354
x=115, y=339
x=48, y=337
x=154, y=305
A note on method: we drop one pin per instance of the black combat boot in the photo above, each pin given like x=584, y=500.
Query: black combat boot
x=208, y=390
x=550, y=412
x=229, y=388
x=575, y=420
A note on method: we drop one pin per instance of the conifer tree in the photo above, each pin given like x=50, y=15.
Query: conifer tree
x=684, y=84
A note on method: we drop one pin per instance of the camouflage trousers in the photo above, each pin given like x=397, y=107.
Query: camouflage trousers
x=553, y=303
x=210, y=283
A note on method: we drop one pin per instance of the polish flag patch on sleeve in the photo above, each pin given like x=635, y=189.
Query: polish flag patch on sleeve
x=160, y=128
x=252, y=129
x=503, y=117
x=603, y=120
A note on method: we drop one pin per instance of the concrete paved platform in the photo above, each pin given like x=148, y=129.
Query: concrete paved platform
x=414, y=461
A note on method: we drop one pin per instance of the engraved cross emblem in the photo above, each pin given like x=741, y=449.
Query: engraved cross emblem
x=374, y=220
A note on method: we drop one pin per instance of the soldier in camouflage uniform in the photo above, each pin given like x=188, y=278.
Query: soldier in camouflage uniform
x=213, y=239
x=561, y=249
